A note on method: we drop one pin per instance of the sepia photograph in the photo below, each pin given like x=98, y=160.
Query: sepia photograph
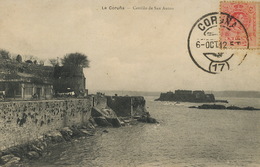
x=129, y=83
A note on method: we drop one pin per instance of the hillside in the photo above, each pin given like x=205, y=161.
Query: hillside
x=11, y=69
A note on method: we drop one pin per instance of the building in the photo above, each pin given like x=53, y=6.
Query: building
x=25, y=81
x=183, y=92
x=26, y=89
x=19, y=80
x=69, y=79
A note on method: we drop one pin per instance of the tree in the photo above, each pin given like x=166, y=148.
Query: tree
x=76, y=60
x=4, y=54
x=19, y=58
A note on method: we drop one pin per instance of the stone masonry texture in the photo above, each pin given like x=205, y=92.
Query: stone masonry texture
x=24, y=121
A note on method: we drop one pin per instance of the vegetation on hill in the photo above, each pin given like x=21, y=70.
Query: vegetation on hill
x=17, y=69
x=76, y=60
x=4, y=54
x=11, y=69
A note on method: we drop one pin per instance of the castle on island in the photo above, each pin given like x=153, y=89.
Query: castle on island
x=187, y=96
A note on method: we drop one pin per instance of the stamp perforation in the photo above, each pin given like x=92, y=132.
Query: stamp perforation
x=240, y=1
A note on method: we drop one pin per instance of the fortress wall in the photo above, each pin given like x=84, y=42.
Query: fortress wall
x=24, y=121
x=100, y=102
x=122, y=105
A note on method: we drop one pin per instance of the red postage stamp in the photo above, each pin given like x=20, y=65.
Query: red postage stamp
x=248, y=14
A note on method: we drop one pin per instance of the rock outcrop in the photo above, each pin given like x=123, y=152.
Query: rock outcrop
x=121, y=111
x=35, y=149
x=147, y=118
x=105, y=117
x=223, y=107
x=211, y=106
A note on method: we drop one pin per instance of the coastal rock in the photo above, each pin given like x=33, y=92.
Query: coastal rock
x=33, y=155
x=152, y=120
x=11, y=162
x=105, y=131
x=16, y=151
x=92, y=121
x=102, y=121
x=114, y=121
x=76, y=132
x=7, y=158
x=66, y=133
x=122, y=123
x=36, y=149
x=67, y=130
x=222, y=107
x=38, y=146
x=193, y=107
x=55, y=137
x=233, y=108
x=147, y=119
x=212, y=106
x=108, y=112
x=90, y=126
x=250, y=108
x=95, y=112
x=85, y=132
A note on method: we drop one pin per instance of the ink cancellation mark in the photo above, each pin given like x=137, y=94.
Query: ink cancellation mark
x=211, y=54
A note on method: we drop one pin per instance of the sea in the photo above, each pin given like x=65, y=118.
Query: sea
x=184, y=137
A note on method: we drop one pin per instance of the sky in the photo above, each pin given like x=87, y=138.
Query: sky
x=140, y=50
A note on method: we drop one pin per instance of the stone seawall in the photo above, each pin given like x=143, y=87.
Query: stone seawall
x=126, y=106
x=24, y=121
x=27, y=128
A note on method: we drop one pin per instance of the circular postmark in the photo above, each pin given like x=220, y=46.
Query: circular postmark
x=214, y=45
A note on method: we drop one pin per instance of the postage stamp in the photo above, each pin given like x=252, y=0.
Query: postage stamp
x=221, y=40
x=211, y=54
x=248, y=13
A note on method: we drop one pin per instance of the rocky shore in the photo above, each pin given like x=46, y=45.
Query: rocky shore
x=223, y=107
x=108, y=118
x=37, y=148
x=104, y=117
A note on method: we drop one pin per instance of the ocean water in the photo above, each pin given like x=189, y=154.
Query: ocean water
x=184, y=138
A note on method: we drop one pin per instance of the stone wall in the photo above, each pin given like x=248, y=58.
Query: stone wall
x=100, y=101
x=126, y=106
x=24, y=121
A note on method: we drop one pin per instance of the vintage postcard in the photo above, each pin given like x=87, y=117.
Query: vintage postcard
x=180, y=79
